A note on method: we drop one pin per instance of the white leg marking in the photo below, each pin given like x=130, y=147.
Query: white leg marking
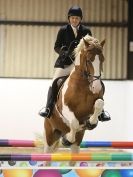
x=98, y=107
x=74, y=149
x=74, y=126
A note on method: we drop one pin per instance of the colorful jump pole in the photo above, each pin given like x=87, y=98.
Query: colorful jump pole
x=109, y=144
x=121, y=156
x=20, y=143
x=84, y=144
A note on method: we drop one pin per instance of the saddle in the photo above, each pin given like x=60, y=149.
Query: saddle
x=57, y=83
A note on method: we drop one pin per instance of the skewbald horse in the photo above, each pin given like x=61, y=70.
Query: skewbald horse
x=80, y=98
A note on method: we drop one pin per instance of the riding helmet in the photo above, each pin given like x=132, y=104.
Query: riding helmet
x=75, y=11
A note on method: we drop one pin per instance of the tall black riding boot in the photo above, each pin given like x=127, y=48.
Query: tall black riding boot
x=52, y=97
x=49, y=105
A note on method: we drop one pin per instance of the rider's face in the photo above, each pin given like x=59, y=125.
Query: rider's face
x=74, y=20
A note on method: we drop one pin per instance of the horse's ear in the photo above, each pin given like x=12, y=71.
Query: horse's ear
x=86, y=43
x=102, y=43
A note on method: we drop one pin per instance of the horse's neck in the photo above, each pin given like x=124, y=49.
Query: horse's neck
x=76, y=76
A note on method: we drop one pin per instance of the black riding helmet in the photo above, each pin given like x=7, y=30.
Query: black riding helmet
x=75, y=11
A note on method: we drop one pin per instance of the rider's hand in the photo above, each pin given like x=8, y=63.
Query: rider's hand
x=63, y=49
x=64, y=57
x=65, y=54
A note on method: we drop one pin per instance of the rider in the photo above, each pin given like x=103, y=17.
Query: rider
x=67, y=39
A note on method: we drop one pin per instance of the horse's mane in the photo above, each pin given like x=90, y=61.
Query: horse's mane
x=81, y=44
x=92, y=41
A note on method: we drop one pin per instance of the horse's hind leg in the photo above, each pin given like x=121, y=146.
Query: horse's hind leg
x=98, y=107
x=75, y=147
x=51, y=140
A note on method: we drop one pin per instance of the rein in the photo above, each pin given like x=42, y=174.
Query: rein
x=88, y=76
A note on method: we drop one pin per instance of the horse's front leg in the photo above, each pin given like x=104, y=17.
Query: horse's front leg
x=70, y=137
x=74, y=125
x=98, y=107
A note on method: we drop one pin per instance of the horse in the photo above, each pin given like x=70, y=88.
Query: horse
x=79, y=100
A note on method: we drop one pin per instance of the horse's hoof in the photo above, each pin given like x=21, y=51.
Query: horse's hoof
x=90, y=126
x=65, y=142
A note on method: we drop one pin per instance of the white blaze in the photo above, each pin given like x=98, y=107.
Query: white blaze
x=96, y=85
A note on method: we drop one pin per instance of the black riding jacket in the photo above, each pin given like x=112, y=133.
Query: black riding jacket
x=66, y=41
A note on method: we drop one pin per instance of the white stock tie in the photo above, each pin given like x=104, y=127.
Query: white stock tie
x=75, y=31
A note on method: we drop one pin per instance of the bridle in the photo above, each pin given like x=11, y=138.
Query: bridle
x=86, y=73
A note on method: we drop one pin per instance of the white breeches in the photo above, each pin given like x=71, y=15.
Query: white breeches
x=59, y=72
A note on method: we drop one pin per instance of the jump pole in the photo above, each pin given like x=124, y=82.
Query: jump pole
x=19, y=143
x=84, y=144
x=121, y=156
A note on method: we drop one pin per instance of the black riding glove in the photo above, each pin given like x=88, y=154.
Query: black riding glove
x=64, y=57
x=65, y=54
x=62, y=50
